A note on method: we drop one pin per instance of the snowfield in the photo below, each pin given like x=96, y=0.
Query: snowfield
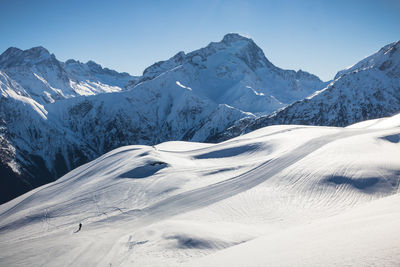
x=279, y=196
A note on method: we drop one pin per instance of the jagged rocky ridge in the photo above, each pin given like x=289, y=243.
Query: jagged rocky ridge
x=367, y=90
x=54, y=116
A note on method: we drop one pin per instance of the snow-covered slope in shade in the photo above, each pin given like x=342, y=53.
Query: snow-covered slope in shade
x=143, y=116
x=235, y=72
x=35, y=146
x=45, y=79
x=33, y=154
x=297, y=188
x=368, y=90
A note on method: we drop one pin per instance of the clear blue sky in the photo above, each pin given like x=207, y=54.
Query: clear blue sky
x=321, y=37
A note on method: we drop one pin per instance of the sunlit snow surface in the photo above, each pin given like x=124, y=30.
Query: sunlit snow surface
x=279, y=196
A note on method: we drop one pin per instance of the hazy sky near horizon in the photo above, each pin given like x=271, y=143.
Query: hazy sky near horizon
x=321, y=37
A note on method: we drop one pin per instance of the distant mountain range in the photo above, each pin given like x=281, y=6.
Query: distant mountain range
x=55, y=116
x=43, y=78
x=367, y=90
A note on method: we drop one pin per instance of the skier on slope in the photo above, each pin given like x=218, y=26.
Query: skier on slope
x=80, y=226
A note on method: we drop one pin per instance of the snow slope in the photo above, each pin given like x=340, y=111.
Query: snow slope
x=364, y=236
x=367, y=90
x=281, y=195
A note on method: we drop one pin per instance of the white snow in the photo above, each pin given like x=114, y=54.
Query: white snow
x=11, y=89
x=388, y=52
x=235, y=72
x=368, y=90
x=46, y=80
x=279, y=196
x=382, y=123
x=181, y=85
x=364, y=236
x=192, y=96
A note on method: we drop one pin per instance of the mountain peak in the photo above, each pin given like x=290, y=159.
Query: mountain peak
x=390, y=48
x=38, y=53
x=15, y=57
x=38, y=50
x=10, y=53
x=179, y=56
x=233, y=50
x=387, y=59
x=11, y=50
x=94, y=66
x=245, y=49
x=234, y=37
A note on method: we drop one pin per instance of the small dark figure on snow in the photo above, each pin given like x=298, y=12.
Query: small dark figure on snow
x=80, y=226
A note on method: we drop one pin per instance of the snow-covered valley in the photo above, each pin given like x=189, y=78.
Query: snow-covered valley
x=279, y=196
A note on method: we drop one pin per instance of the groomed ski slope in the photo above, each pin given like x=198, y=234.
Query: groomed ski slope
x=279, y=196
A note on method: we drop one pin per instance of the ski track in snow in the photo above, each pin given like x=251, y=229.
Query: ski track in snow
x=202, y=197
x=207, y=195
x=120, y=235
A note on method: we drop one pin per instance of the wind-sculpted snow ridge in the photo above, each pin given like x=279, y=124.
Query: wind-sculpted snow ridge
x=281, y=195
x=368, y=90
x=56, y=117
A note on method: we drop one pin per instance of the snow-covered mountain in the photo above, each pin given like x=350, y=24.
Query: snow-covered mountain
x=370, y=89
x=36, y=149
x=55, y=119
x=235, y=72
x=279, y=196
x=48, y=140
x=45, y=79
